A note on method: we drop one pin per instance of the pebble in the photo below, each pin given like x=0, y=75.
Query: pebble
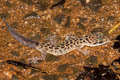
x=59, y=18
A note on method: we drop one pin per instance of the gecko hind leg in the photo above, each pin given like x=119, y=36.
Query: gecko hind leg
x=85, y=52
x=36, y=59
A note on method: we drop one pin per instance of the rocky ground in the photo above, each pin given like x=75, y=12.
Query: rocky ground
x=40, y=19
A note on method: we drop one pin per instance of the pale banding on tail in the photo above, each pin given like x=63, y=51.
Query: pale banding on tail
x=22, y=39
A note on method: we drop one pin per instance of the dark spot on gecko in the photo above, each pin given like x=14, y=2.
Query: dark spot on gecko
x=67, y=44
x=56, y=48
x=70, y=41
x=62, y=46
x=71, y=45
x=37, y=43
x=88, y=40
x=77, y=42
x=84, y=41
x=74, y=43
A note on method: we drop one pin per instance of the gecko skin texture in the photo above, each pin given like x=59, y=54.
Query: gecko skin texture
x=72, y=43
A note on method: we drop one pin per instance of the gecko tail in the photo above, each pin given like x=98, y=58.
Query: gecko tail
x=21, y=39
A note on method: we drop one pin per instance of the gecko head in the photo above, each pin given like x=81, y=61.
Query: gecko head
x=97, y=38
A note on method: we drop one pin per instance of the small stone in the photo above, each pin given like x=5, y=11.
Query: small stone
x=82, y=19
x=31, y=15
x=97, y=30
x=92, y=60
x=8, y=4
x=15, y=24
x=67, y=24
x=111, y=18
x=14, y=77
x=59, y=18
x=42, y=5
x=81, y=26
x=75, y=70
x=36, y=37
x=15, y=53
x=62, y=67
x=35, y=78
x=33, y=71
x=50, y=77
x=45, y=31
x=66, y=10
x=50, y=57
x=28, y=2
x=4, y=15
x=94, y=5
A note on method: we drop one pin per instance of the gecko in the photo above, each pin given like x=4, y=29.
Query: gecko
x=64, y=47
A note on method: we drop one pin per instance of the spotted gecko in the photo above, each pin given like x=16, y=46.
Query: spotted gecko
x=72, y=43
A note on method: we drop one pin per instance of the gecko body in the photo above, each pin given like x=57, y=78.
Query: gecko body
x=72, y=43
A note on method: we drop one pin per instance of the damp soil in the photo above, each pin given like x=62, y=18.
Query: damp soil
x=41, y=19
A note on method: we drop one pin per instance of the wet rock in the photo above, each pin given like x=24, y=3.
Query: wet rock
x=67, y=24
x=42, y=4
x=94, y=5
x=50, y=77
x=31, y=15
x=14, y=77
x=15, y=53
x=28, y=2
x=8, y=4
x=62, y=67
x=4, y=15
x=92, y=60
x=81, y=26
x=59, y=18
x=50, y=57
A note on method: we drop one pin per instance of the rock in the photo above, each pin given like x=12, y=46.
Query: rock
x=14, y=77
x=67, y=24
x=15, y=53
x=42, y=4
x=4, y=15
x=62, y=67
x=92, y=60
x=50, y=77
x=59, y=18
x=81, y=26
x=8, y=4
x=94, y=5
x=28, y=2
x=50, y=57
